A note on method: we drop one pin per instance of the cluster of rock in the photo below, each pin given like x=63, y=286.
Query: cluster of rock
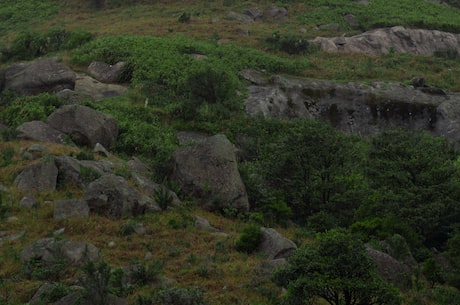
x=355, y=107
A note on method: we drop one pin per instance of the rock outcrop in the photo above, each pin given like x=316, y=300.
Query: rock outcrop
x=208, y=170
x=84, y=125
x=106, y=73
x=355, y=107
x=274, y=245
x=394, y=39
x=38, y=76
x=40, y=131
x=114, y=197
x=389, y=268
x=41, y=176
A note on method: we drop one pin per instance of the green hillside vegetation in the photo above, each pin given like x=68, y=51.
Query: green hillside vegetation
x=328, y=191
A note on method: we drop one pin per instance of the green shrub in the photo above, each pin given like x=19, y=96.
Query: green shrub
x=163, y=197
x=3, y=208
x=143, y=274
x=30, y=108
x=88, y=174
x=249, y=240
x=127, y=228
x=85, y=154
x=57, y=292
x=96, y=282
x=184, y=17
x=290, y=44
x=6, y=156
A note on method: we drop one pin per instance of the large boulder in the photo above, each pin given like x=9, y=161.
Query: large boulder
x=84, y=125
x=361, y=109
x=389, y=268
x=114, y=197
x=208, y=170
x=49, y=252
x=38, y=76
x=274, y=245
x=40, y=131
x=72, y=208
x=41, y=176
x=88, y=87
x=106, y=73
x=397, y=39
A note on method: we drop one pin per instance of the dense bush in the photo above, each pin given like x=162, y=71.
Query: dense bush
x=26, y=109
x=32, y=44
x=290, y=44
x=182, y=296
x=249, y=240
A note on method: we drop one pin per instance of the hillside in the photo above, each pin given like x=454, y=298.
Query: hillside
x=146, y=148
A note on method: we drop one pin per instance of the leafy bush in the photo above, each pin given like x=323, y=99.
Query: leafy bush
x=57, y=292
x=163, y=197
x=96, y=282
x=3, y=208
x=249, y=240
x=6, y=156
x=288, y=43
x=26, y=109
x=143, y=274
x=88, y=174
x=32, y=44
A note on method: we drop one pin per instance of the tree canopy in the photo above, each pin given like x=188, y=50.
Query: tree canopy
x=335, y=268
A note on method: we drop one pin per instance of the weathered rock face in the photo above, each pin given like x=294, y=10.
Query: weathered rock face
x=86, y=86
x=39, y=177
x=64, y=209
x=275, y=245
x=38, y=76
x=40, y=131
x=114, y=197
x=398, y=39
x=76, y=298
x=357, y=108
x=106, y=73
x=389, y=268
x=84, y=125
x=50, y=251
x=208, y=170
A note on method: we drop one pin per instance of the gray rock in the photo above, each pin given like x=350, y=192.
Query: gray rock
x=267, y=267
x=5, y=236
x=52, y=251
x=256, y=77
x=208, y=170
x=38, y=76
x=351, y=20
x=40, y=131
x=255, y=13
x=39, y=177
x=106, y=73
x=99, y=149
x=397, y=39
x=28, y=202
x=187, y=137
x=41, y=293
x=86, y=86
x=274, y=245
x=76, y=298
x=64, y=209
x=84, y=125
x=277, y=12
x=114, y=197
x=389, y=268
x=358, y=108
x=71, y=97
x=203, y=224
x=137, y=166
x=329, y=27
x=242, y=18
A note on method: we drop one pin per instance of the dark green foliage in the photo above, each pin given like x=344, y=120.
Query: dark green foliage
x=184, y=17
x=446, y=296
x=3, y=208
x=88, y=174
x=127, y=228
x=96, y=282
x=453, y=254
x=335, y=268
x=144, y=274
x=309, y=162
x=32, y=44
x=26, y=109
x=432, y=271
x=85, y=154
x=384, y=13
x=36, y=269
x=57, y=292
x=180, y=296
x=163, y=197
x=289, y=43
x=6, y=156
x=414, y=176
x=249, y=240
x=447, y=53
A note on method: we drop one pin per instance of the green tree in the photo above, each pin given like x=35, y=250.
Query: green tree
x=309, y=162
x=415, y=179
x=335, y=268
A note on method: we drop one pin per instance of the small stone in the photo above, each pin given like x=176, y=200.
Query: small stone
x=12, y=219
x=111, y=244
x=59, y=231
x=28, y=202
x=148, y=255
x=99, y=149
